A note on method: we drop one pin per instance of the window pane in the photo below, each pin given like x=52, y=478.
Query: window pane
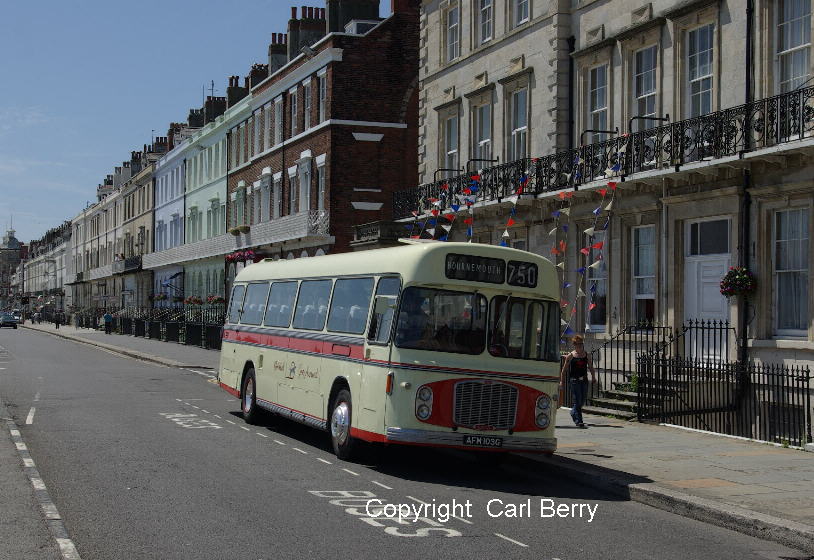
x=442, y=321
x=527, y=329
x=281, y=304
x=350, y=305
x=235, y=303
x=714, y=237
x=255, y=304
x=312, y=305
x=382, y=322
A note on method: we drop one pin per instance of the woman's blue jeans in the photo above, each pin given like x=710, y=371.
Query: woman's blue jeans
x=579, y=393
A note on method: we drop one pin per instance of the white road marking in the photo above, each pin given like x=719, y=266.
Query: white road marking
x=300, y=450
x=504, y=537
x=324, y=461
x=276, y=441
x=216, y=415
x=261, y=435
x=245, y=428
x=20, y=446
x=193, y=406
x=380, y=484
x=201, y=373
x=37, y=397
x=230, y=421
x=15, y=433
x=205, y=411
x=179, y=400
x=28, y=462
x=38, y=484
x=30, y=418
x=351, y=472
x=68, y=550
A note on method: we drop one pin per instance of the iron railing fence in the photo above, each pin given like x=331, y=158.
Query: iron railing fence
x=766, y=402
x=615, y=358
x=727, y=133
x=196, y=326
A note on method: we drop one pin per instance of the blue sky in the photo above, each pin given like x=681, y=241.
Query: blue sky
x=83, y=83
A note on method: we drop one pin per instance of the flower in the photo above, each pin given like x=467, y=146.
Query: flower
x=738, y=281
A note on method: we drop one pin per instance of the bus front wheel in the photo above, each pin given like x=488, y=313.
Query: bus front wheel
x=341, y=411
x=248, y=398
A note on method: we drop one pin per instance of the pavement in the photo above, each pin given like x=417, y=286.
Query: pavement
x=758, y=489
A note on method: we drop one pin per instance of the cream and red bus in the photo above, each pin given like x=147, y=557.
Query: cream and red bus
x=427, y=343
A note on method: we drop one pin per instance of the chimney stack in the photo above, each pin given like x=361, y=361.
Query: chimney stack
x=305, y=31
x=278, y=52
x=234, y=92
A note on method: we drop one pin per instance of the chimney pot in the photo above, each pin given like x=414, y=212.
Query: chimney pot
x=293, y=12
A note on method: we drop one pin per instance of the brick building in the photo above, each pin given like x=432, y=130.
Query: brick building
x=332, y=129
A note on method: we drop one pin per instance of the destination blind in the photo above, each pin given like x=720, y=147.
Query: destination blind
x=475, y=269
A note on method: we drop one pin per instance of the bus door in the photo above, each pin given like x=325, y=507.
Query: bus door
x=377, y=354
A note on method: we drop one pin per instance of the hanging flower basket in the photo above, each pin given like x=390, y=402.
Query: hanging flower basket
x=193, y=300
x=738, y=281
x=215, y=299
x=160, y=297
x=234, y=231
x=244, y=228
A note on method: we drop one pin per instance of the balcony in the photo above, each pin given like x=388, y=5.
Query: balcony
x=766, y=125
x=305, y=227
x=130, y=264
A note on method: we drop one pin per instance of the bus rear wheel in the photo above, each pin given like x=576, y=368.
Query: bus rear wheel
x=340, y=423
x=248, y=398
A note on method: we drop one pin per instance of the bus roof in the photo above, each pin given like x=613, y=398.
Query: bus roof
x=422, y=263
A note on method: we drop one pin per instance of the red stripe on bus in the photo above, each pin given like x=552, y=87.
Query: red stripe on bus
x=463, y=371
x=364, y=435
x=355, y=351
x=229, y=390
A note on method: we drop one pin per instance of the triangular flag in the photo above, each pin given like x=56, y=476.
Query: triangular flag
x=562, y=245
x=561, y=265
x=455, y=207
x=513, y=199
x=431, y=231
x=566, y=211
x=505, y=233
x=467, y=190
x=467, y=220
x=590, y=231
x=593, y=287
x=442, y=238
x=585, y=250
x=513, y=211
x=473, y=188
x=609, y=206
x=598, y=245
x=580, y=293
x=414, y=212
x=587, y=327
x=581, y=270
x=603, y=192
x=597, y=210
x=475, y=177
x=432, y=222
x=566, y=285
x=595, y=265
x=563, y=303
x=563, y=322
x=446, y=227
x=556, y=213
x=445, y=187
x=592, y=306
x=503, y=243
x=511, y=222
x=450, y=217
x=562, y=195
x=555, y=251
x=612, y=185
x=609, y=172
x=565, y=228
x=568, y=332
x=469, y=231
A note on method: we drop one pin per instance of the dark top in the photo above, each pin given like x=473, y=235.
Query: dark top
x=578, y=368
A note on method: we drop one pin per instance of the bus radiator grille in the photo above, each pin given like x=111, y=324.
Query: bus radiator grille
x=485, y=405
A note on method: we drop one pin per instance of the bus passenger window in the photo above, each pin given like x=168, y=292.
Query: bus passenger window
x=235, y=302
x=281, y=303
x=312, y=305
x=255, y=304
x=350, y=305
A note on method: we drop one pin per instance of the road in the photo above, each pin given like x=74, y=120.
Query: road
x=150, y=462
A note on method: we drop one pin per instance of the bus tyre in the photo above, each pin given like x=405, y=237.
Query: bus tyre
x=340, y=423
x=248, y=398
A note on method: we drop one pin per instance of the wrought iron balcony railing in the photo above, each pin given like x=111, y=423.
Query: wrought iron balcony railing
x=730, y=132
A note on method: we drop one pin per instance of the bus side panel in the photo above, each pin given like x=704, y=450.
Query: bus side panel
x=299, y=386
x=266, y=373
x=373, y=395
x=227, y=374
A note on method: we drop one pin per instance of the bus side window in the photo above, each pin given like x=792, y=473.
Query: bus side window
x=312, y=305
x=281, y=302
x=384, y=310
x=350, y=304
x=255, y=304
x=236, y=302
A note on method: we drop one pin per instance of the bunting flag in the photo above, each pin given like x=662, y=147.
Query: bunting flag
x=595, y=264
x=585, y=250
x=590, y=231
x=598, y=245
x=505, y=233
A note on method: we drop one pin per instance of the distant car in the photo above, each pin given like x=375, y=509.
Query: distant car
x=8, y=320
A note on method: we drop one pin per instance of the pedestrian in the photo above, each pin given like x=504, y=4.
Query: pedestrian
x=57, y=319
x=108, y=318
x=576, y=367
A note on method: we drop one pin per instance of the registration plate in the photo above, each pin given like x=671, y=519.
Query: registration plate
x=483, y=441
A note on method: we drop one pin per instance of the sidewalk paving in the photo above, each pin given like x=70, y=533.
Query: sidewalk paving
x=754, y=488
x=167, y=353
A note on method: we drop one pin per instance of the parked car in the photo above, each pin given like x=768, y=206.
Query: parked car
x=8, y=320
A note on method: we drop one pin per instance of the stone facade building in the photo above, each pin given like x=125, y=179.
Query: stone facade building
x=700, y=112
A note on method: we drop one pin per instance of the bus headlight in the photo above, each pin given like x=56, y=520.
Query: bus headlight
x=543, y=402
x=423, y=403
x=541, y=420
x=423, y=412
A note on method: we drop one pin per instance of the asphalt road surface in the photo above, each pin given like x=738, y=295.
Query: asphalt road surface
x=149, y=462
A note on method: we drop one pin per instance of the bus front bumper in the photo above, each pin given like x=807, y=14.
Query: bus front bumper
x=459, y=440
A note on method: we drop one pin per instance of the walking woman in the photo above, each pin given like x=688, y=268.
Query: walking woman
x=575, y=370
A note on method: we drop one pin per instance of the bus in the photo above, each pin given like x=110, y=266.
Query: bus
x=427, y=343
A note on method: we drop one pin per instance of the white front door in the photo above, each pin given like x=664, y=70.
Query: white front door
x=706, y=261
